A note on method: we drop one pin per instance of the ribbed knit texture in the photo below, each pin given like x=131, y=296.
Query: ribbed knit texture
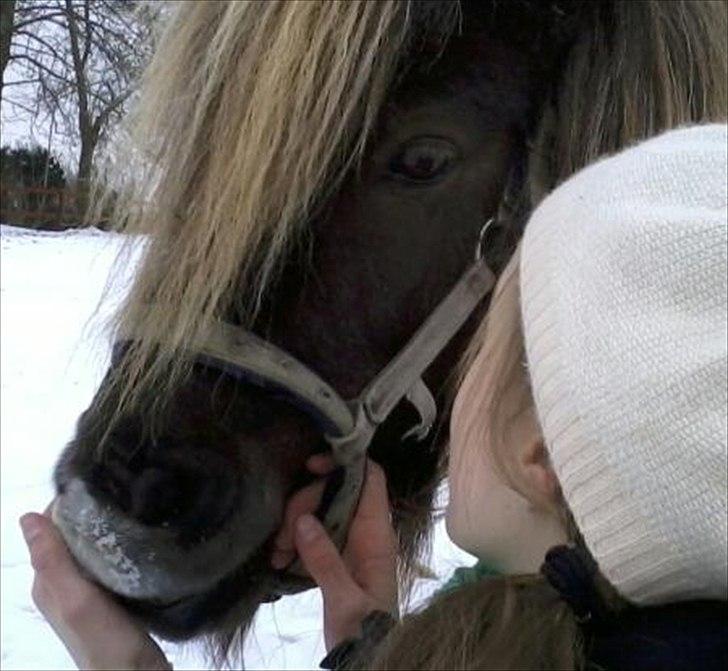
x=624, y=295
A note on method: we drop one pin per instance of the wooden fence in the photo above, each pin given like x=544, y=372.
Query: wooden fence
x=40, y=207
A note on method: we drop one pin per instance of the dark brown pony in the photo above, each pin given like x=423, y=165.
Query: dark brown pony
x=318, y=173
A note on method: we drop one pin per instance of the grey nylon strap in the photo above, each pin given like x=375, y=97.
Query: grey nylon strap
x=357, y=421
x=235, y=350
x=349, y=425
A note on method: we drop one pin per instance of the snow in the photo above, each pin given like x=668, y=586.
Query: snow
x=53, y=355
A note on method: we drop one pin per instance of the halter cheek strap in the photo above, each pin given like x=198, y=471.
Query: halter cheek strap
x=348, y=426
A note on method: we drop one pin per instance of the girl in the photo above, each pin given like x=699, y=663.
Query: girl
x=588, y=452
x=588, y=444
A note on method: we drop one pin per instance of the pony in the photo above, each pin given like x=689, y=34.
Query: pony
x=316, y=175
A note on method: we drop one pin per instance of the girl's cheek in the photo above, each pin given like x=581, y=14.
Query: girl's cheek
x=468, y=494
x=454, y=514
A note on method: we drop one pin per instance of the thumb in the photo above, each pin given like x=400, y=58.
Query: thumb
x=48, y=553
x=94, y=629
x=323, y=561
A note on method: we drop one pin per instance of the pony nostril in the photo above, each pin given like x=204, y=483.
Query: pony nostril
x=214, y=502
x=157, y=496
x=191, y=492
x=193, y=505
x=111, y=482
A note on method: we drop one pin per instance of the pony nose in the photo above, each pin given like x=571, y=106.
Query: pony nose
x=192, y=501
x=161, y=497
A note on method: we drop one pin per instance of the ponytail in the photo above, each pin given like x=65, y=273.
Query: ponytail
x=506, y=622
x=509, y=622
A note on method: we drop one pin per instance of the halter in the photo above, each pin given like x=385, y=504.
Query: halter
x=348, y=425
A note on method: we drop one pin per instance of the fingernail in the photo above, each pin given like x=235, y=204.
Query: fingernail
x=307, y=527
x=30, y=527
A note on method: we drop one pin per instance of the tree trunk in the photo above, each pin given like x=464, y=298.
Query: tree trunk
x=7, y=17
x=89, y=140
x=89, y=136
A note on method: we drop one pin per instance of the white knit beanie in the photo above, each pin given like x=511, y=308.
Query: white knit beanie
x=624, y=295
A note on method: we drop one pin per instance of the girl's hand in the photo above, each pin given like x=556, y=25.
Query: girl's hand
x=97, y=632
x=365, y=577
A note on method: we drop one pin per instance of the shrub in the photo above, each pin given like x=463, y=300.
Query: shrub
x=34, y=189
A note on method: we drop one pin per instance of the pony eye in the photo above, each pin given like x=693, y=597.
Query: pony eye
x=423, y=160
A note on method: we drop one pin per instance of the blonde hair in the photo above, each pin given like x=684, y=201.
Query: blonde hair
x=249, y=115
x=636, y=69
x=498, y=343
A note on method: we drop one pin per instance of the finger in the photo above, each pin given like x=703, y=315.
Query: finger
x=305, y=500
x=372, y=543
x=323, y=562
x=321, y=464
x=374, y=501
x=95, y=630
x=48, y=553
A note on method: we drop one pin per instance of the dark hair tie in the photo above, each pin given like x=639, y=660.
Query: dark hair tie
x=570, y=571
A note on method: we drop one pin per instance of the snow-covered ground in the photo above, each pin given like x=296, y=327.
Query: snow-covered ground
x=52, y=358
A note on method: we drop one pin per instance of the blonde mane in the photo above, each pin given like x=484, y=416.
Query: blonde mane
x=251, y=113
x=248, y=115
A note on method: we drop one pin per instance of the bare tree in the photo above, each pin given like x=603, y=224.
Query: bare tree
x=7, y=19
x=77, y=62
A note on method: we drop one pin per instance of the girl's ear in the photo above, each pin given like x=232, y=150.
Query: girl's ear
x=536, y=473
x=536, y=478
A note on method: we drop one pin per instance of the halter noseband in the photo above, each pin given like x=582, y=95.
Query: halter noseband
x=348, y=426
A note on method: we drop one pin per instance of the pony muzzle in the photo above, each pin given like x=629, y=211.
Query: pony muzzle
x=142, y=562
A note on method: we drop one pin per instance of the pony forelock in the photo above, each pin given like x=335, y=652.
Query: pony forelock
x=251, y=114
x=248, y=115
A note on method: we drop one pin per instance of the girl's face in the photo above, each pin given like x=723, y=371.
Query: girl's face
x=511, y=529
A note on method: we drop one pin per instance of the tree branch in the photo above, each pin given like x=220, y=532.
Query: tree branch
x=78, y=60
x=19, y=25
x=20, y=82
x=40, y=66
x=50, y=47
